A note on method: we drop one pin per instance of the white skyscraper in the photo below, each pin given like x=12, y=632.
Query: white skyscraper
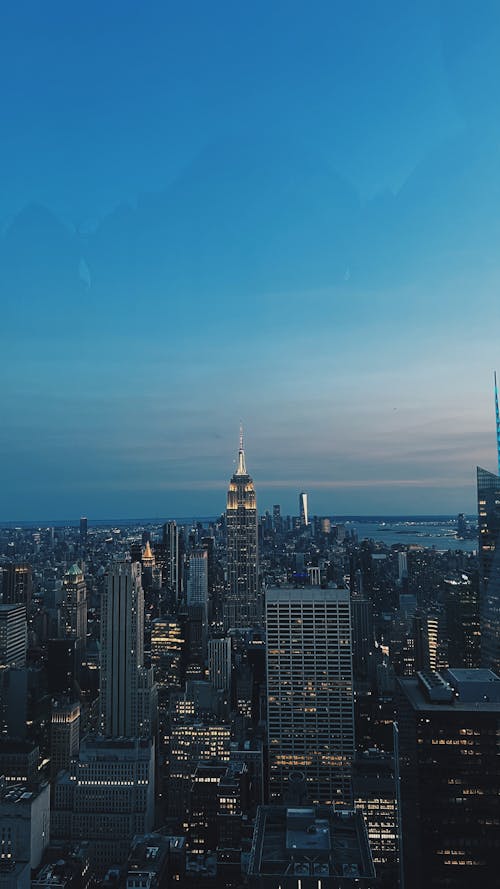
x=242, y=605
x=310, y=691
x=126, y=692
x=304, y=517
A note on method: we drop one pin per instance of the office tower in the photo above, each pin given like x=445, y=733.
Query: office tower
x=242, y=605
x=197, y=584
x=74, y=607
x=17, y=584
x=461, y=601
x=107, y=797
x=376, y=793
x=449, y=763
x=171, y=544
x=310, y=691
x=83, y=530
x=488, y=497
x=125, y=682
x=219, y=663
x=64, y=735
x=303, y=514
x=326, y=526
x=13, y=635
x=312, y=847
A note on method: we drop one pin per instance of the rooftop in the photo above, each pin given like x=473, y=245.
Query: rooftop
x=317, y=842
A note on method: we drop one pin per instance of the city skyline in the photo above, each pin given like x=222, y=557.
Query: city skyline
x=335, y=203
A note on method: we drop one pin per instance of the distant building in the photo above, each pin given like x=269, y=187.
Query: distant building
x=449, y=752
x=310, y=691
x=83, y=530
x=310, y=847
x=242, y=606
x=303, y=512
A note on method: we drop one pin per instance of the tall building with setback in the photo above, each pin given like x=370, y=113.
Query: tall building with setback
x=449, y=753
x=310, y=713
x=126, y=690
x=488, y=503
x=243, y=605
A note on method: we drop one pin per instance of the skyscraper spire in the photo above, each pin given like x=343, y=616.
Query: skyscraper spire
x=497, y=418
x=242, y=470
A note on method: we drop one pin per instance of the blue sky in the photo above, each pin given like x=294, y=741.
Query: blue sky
x=281, y=212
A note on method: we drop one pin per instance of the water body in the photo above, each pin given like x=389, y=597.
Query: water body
x=438, y=533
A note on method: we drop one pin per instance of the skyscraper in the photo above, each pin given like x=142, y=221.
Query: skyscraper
x=171, y=544
x=74, y=606
x=126, y=685
x=488, y=501
x=310, y=691
x=13, y=635
x=449, y=754
x=304, y=517
x=197, y=585
x=242, y=607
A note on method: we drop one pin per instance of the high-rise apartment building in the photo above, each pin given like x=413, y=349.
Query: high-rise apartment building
x=126, y=685
x=242, y=607
x=488, y=499
x=310, y=712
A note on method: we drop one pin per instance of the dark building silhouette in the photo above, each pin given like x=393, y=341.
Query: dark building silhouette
x=488, y=507
x=449, y=762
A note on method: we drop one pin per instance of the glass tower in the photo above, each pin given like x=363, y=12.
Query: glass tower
x=488, y=500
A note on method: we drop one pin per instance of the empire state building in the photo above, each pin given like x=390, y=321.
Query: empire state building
x=242, y=606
